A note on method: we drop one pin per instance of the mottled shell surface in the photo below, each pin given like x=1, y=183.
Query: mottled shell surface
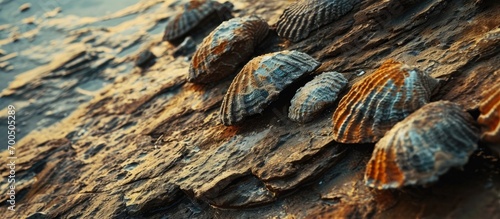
x=489, y=118
x=425, y=145
x=315, y=96
x=194, y=12
x=260, y=81
x=380, y=100
x=300, y=19
x=226, y=48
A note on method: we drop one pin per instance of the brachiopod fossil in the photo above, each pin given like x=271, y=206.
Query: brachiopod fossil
x=194, y=12
x=299, y=20
x=260, y=82
x=316, y=95
x=380, y=100
x=227, y=47
x=426, y=144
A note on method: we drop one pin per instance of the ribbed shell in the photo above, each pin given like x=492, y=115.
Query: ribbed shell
x=260, y=82
x=194, y=12
x=315, y=96
x=380, y=100
x=300, y=19
x=228, y=46
x=490, y=115
x=423, y=146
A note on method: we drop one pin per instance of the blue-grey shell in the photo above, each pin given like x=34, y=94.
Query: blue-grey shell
x=423, y=146
x=300, y=19
x=260, y=81
x=194, y=12
x=315, y=96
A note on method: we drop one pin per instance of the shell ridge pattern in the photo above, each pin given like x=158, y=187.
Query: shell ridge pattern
x=260, y=81
x=315, y=95
x=378, y=101
x=306, y=16
x=194, y=12
x=489, y=117
x=227, y=47
x=381, y=116
x=429, y=142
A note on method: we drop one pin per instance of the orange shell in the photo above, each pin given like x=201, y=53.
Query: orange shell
x=425, y=145
x=490, y=115
x=226, y=48
x=380, y=100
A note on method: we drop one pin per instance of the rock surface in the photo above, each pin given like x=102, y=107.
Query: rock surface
x=148, y=144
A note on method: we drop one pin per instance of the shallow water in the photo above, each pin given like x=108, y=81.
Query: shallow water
x=37, y=41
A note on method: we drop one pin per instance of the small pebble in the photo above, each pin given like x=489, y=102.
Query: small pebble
x=24, y=7
x=52, y=13
x=144, y=58
x=360, y=72
x=29, y=20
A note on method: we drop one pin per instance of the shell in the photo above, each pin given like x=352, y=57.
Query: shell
x=188, y=46
x=194, y=12
x=425, y=145
x=380, y=100
x=299, y=20
x=316, y=95
x=490, y=115
x=226, y=48
x=260, y=81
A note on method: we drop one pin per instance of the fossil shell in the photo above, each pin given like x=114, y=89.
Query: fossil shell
x=188, y=46
x=425, y=145
x=490, y=115
x=260, y=81
x=380, y=100
x=194, y=12
x=227, y=47
x=315, y=96
x=299, y=20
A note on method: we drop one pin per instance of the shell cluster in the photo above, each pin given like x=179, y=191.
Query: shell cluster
x=226, y=48
x=260, y=81
x=299, y=20
x=380, y=100
x=195, y=11
x=426, y=144
x=315, y=96
x=489, y=118
x=417, y=141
